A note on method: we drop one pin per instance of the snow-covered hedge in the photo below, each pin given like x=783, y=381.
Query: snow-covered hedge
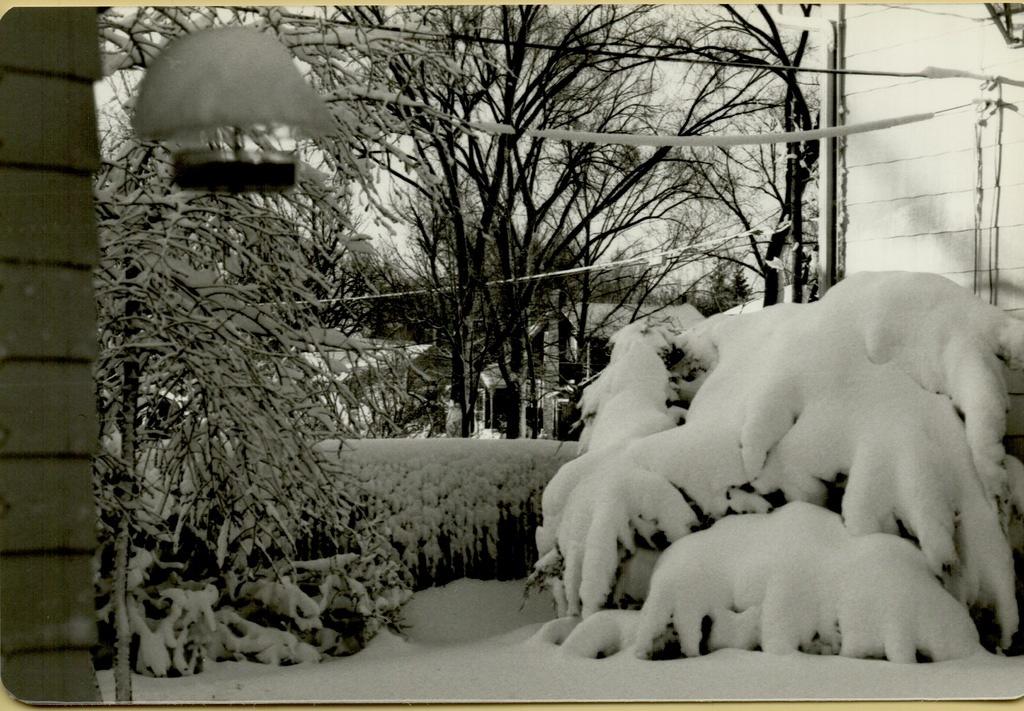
x=455, y=507
x=886, y=402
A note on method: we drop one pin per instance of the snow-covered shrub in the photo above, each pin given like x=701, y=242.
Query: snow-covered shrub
x=454, y=507
x=209, y=405
x=328, y=606
x=797, y=579
x=635, y=394
x=211, y=394
x=946, y=340
x=885, y=401
x=792, y=580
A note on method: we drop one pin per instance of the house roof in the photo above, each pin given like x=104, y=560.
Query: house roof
x=371, y=352
x=604, y=319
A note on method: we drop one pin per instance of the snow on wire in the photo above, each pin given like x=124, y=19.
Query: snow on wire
x=675, y=54
x=722, y=139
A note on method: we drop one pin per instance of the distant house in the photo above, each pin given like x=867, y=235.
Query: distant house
x=394, y=387
x=567, y=357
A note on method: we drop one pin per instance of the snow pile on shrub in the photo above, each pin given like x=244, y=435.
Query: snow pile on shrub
x=792, y=580
x=329, y=606
x=278, y=576
x=454, y=507
x=886, y=401
x=636, y=381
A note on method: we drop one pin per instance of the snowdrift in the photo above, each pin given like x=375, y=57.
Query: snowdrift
x=885, y=402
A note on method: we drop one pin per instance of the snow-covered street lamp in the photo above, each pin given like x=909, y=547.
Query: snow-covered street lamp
x=230, y=103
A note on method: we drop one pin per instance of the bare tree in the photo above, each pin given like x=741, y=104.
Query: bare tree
x=746, y=179
x=518, y=205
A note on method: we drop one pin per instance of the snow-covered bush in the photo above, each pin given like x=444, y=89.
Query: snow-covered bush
x=635, y=394
x=208, y=408
x=792, y=580
x=329, y=606
x=886, y=401
x=454, y=507
x=209, y=398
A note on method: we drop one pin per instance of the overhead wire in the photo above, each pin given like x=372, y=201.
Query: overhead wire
x=669, y=53
x=678, y=54
x=718, y=139
x=649, y=259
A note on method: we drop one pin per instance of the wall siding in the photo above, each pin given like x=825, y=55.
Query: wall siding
x=949, y=172
x=49, y=59
x=38, y=203
x=41, y=124
x=939, y=252
x=909, y=195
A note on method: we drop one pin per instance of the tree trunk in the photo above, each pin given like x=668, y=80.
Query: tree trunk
x=458, y=392
x=582, y=344
x=468, y=403
x=535, y=425
x=468, y=420
x=513, y=407
x=514, y=402
x=791, y=207
x=129, y=412
x=800, y=177
x=568, y=370
x=797, y=236
x=122, y=626
x=772, y=280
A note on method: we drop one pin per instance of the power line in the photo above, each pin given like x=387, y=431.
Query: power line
x=676, y=54
x=650, y=259
x=720, y=139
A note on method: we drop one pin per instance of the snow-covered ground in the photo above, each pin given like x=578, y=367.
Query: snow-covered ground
x=474, y=640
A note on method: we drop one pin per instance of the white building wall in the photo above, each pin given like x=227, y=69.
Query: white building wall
x=908, y=196
x=910, y=192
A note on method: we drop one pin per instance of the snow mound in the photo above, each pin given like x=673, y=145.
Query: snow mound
x=602, y=518
x=797, y=579
x=925, y=327
x=792, y=580
x=886, y=401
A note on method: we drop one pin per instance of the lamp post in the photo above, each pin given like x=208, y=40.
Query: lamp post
x=230, y=103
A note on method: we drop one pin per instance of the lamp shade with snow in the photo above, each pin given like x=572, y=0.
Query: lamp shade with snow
x=230, y=103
